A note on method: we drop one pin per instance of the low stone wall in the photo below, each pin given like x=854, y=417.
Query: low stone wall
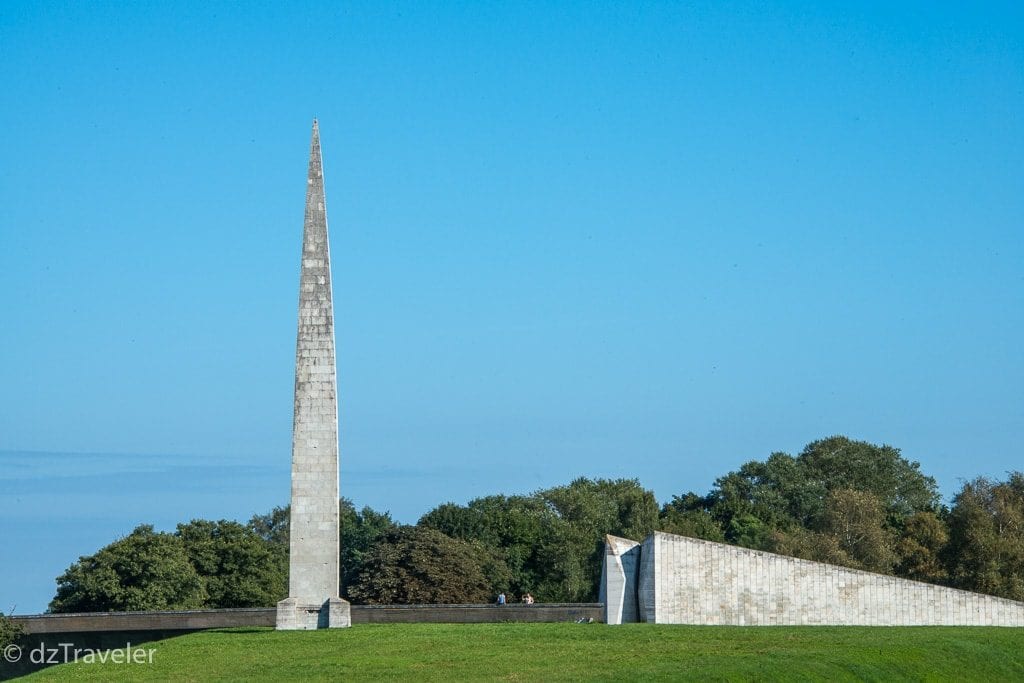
x=474, y=614
x=184, y=620
x=197, y=620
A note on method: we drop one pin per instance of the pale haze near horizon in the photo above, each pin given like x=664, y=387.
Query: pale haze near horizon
x=650, y=242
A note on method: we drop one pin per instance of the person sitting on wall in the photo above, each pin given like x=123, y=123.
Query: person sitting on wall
x=528, y=599
x=501, y=598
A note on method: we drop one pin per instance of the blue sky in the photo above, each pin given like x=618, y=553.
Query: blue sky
x=651, y=240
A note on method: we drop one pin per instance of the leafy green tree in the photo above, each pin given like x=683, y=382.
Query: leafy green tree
x=592, y=508
x=496, y=571
x=762, y=504
x=606, y=506
x=472, y=522
x=856, y=520
x=145, y=570
x=986, y=537
x=522, y=531
x=749, y=531
x=359, y=531
x=750, y=504
x=552, y=541
x=568, y=564
x=841, y=463
x=9, y=631
x=272, y=527
x=688, y=516
x=809, y=545
x=778, y=492
x=920, y=548
x=413, y=565
x=237, y=566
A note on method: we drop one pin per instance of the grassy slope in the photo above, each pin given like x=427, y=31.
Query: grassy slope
x=576, y=651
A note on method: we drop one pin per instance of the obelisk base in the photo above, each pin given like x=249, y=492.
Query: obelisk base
x=295, y=616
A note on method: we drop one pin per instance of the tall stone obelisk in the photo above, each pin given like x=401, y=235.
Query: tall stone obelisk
x=313, y=600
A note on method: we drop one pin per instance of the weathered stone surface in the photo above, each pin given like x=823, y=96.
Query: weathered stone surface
x=619, y=573
x=314, y=549
x=294, y=615
x=689, y=581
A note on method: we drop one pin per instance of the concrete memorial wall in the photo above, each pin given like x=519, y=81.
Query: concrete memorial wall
x=681, y=580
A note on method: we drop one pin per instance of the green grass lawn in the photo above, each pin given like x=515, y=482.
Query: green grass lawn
x=544, y=652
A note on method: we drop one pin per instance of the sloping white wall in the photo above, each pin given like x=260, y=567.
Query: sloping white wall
x=689, y=581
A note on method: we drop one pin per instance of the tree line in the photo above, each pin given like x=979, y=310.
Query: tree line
x=840, y=501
